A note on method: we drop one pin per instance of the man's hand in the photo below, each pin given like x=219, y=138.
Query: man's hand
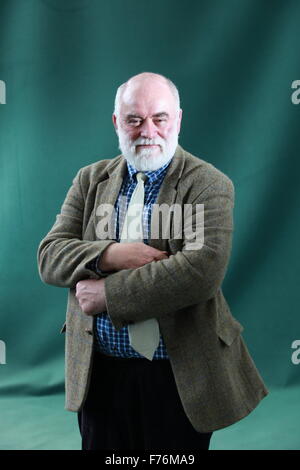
x=90, y=293
x=119, y=256
x=91, y=296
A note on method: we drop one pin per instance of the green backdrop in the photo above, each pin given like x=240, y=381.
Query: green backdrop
x=234, y=62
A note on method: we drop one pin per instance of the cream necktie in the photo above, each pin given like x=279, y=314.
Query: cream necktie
x=144, y=335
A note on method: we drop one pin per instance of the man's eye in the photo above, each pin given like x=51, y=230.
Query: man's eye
x=134, y=122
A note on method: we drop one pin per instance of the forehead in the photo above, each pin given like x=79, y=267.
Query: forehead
x=147, y=98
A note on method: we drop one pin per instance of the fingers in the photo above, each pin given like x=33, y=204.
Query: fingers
x=143, y=254
x=161, y=255
x=158, y=254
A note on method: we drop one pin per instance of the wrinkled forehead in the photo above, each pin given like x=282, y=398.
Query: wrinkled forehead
x=148, y=97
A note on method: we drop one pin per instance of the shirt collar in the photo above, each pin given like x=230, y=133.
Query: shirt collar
x=153, y=176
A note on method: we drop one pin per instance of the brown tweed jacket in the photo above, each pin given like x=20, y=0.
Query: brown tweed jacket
x=216, y=378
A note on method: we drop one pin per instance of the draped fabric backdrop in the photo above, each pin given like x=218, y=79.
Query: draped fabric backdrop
x=234, y=62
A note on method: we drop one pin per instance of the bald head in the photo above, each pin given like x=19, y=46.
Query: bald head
x=150, y=83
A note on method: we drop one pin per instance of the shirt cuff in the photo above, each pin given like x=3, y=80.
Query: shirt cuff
x=93, y=266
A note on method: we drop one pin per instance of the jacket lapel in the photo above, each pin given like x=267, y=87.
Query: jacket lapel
x=168, y=191
x=107, y=193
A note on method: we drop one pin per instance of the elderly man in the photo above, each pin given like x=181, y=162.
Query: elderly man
x=154, y=358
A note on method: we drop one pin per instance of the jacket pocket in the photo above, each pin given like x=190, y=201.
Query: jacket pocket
x=63, y=329
x=229, y=330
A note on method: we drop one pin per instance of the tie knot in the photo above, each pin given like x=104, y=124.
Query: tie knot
x=141, y=176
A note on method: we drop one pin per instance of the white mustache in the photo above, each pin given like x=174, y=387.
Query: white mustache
x=144, y=141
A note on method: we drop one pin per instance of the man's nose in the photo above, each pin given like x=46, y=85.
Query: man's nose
x=148, y=129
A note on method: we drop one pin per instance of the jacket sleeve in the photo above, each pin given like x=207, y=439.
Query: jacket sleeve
x=191, y=276
x=63, y=257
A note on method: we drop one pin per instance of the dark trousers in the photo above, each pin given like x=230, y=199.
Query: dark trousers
x=133, y=404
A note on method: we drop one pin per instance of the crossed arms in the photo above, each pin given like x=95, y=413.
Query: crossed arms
x=143, y=280
x=91, y=293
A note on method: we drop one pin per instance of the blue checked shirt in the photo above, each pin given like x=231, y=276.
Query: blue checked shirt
x=108, y=339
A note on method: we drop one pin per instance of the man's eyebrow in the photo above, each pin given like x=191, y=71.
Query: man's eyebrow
x=162, y=114
x=130, y=116
x=137, y=116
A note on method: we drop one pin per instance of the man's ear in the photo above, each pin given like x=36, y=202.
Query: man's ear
x=114, y=120
x=179, y=121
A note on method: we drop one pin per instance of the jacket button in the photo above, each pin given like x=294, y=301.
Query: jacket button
x=88, y=331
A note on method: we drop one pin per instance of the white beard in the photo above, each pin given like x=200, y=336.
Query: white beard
x=147, y=159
